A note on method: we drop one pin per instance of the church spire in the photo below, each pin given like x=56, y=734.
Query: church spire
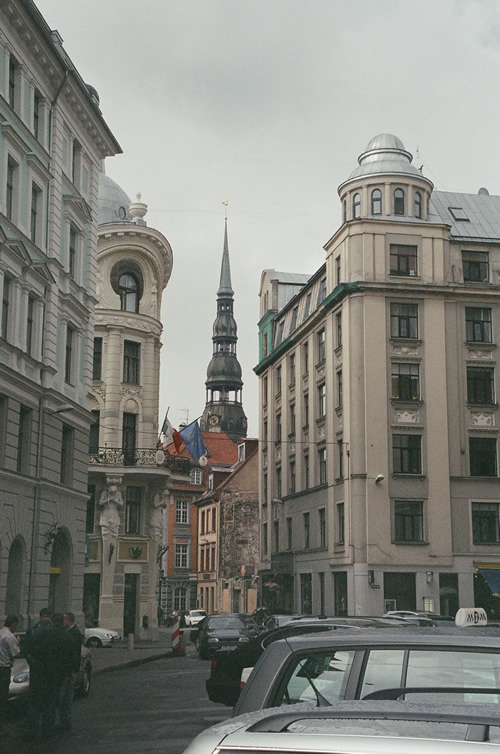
x=223, y=410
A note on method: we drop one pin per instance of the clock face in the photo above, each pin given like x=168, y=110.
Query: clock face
x=213, y=420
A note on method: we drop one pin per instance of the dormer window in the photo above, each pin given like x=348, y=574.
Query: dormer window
x=127, y=282
x=356, y=206
x=399, y=201
x=417, y=204
x=376, y=202
x=129, y=298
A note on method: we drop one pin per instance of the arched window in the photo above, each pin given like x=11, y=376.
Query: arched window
x=356, y=206
x=376, y=202
x=399, y=202
x=129, y=290
x=417, y=204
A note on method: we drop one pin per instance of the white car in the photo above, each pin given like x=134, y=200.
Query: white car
x=193, y=617
x=101, y=637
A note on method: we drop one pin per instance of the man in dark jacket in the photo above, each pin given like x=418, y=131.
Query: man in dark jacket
x=52, y=659
x=68, y=685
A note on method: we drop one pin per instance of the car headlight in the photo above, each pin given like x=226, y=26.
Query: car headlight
x=109, y=636
x=212, y=640
x=22, y=677
x=244, y=638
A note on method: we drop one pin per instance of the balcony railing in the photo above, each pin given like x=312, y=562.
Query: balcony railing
x=141, y=458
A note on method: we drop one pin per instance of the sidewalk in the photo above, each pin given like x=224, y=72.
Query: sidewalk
x=119, y=656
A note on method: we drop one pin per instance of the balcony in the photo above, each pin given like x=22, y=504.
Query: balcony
x=139, y=458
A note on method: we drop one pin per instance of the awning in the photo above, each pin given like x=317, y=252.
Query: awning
x=492, y=578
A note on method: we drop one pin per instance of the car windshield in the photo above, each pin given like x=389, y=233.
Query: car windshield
x=226, y=621
x=197, y=613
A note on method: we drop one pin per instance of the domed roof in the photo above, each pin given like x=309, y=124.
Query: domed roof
x=385, y=153
x=113, y=202
x=223, y=368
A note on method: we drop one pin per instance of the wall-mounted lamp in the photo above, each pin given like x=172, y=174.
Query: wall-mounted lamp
x=429, y=576
x=379, y=478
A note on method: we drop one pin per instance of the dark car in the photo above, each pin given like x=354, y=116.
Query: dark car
x=225, y=681
x=224, y=631
x=436, y=663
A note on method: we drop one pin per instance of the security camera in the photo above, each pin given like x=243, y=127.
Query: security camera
x=379, y=478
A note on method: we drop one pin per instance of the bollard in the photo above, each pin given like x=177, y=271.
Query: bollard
x=175, y=637
x=130, y=641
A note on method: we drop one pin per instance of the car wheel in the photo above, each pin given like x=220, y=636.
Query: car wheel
x=94, y=642
x=84, y=689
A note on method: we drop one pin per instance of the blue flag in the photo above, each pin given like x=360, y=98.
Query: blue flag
x=193, y=440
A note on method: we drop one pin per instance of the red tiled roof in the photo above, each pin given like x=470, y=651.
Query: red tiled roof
x=221, y=449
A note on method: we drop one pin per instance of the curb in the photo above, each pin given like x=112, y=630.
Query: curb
x=132, y=663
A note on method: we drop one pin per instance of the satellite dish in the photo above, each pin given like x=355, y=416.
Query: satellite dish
x=203, y=460
x=159, y=457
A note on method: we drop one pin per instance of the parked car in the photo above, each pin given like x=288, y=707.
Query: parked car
x=20, y=677
x=359, y=665
x=193, y=617
x=101, y=637
x=360, y=728
x=418, y=617
x=223, y=631
x=230, y=669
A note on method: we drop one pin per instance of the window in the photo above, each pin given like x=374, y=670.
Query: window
x=276, y=536
x=264, y=390
x=133, y=500
x=278, y=427
x=289, y=534
x=485, y=523
x=404, y=321
x=305, y=355
x=403, y=259
x=131, y=362
x=13, y=83
x=291, y=364
x=321, y=400
x=338, y=322
x=265, y=344
x=181, y=556
x=76, y=161
x=29, y=325
x=337, y=270
x=6, y=307
x=181, y=512
x=292, y=477
x=340, y=524
x=97, y=363
x=322, y=527
x=356, y=206
x=293, y=323
x=72, y=250
x=35, y=213
x=399, y=202
x=321, y=345
x=278, y=379
x=264, y=539
x=306, y=471
x=408, y=521
x=417, y=204
x=376, y=202
x=94, y=432
x=476, y=267
x=129, y=293
x=483, y=456
x=11, y=190
x=307, y=307
x=129, y=433
x=307, y=531
x=340, y=446
x=214, y=519
x=89, y=524
x=37, y=105
x=292, y=418
x=322, y=465
x=478, y=325
x=68, y=361
x=306, y=409
x=406, y=454
x=340, y=396
x=280, y=332
x=405, y=382
x=278, y=481
x=67, y=455
x=4, y=409
x=322, y=291
x=480, y=385
x=24, y=440
x=196, y=476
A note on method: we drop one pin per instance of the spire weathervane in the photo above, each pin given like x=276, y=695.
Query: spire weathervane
x=225, y=205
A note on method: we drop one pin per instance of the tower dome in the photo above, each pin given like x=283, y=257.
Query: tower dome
x=113, y=202
x=385, y=153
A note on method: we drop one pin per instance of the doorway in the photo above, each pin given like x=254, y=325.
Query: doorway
x=130, y=603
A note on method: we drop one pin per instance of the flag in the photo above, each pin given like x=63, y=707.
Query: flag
x=178, y=440
x=170, y=434
x=167, y=429
x=193, y=440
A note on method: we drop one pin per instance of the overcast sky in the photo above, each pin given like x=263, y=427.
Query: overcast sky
x=268, y=104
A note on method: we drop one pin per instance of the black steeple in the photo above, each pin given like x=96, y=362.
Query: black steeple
x=223, y=410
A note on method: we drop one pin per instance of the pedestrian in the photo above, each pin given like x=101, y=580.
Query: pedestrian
x=9, y=649
x=52, y=659
x=43, y=622
x=68, y=684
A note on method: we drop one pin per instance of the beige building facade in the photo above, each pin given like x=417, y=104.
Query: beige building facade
x=379, y=460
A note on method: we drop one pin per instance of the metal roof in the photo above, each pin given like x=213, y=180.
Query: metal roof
x=480, y=214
